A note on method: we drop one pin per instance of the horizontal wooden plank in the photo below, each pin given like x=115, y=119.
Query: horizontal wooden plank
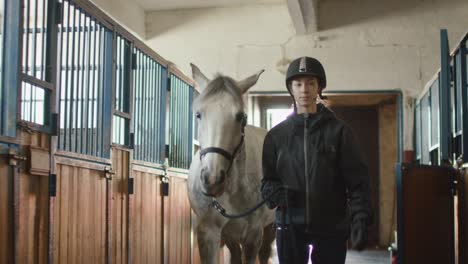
x=81, y=163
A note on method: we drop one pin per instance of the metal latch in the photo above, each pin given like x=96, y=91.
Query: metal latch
x=15, y=158
x=109, y=172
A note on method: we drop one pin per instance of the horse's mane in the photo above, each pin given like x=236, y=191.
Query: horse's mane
x=221, y=84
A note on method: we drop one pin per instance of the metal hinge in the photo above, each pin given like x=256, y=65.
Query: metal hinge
x=134, y=62
x=131, y=186
x=54, y=126
x=109, y=172
x=168, y=87
x=166, y=150
x=14, y=158
x=52, y=185
x=131, y=139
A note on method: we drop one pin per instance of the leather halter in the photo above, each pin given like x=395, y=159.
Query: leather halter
x=224, y=153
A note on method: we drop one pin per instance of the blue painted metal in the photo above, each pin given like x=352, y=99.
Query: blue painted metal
x=180, y=123
x=107, y=93
x=464, y=94
x=148, y=108
x=444, y=98
x=11, y=41
x=417, y=132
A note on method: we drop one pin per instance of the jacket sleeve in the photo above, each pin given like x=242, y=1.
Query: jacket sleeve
x=356, y=176
x=270, y=176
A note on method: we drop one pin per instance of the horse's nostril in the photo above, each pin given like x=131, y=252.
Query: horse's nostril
x=222, y=177
x=205, y=177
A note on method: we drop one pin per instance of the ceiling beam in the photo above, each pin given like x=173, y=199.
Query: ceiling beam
x=304, y=14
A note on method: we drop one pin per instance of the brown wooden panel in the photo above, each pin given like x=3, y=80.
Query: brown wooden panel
x=118, y=225
x=177, y=222
x=6, y=212
x=426, y=223
x=463, y=218
x=80, y=215
x=33, y=221
x=145, y=219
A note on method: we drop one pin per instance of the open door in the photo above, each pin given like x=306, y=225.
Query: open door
x=425, y=214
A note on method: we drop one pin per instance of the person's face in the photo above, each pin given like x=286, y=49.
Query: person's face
x=305, y=91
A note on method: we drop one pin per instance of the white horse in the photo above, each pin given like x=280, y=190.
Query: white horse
x=228, y=167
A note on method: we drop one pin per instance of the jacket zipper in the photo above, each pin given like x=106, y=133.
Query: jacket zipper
x=306, y=169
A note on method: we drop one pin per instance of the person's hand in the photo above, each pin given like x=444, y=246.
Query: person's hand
x=276, y=199
x=359, y=232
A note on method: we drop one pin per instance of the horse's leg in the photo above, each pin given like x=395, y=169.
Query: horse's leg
x=234, y=250
x=208, y=239
x=269, y=234
x=251, y=245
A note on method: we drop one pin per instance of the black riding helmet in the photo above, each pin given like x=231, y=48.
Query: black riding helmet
x=306, y=66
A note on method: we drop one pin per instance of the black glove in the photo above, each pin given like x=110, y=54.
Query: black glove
x=276, y=199
x=359, y=231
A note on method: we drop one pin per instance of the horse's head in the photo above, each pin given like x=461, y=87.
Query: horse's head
x=221, y=121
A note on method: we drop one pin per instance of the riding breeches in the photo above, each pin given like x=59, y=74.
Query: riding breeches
x=293, y=246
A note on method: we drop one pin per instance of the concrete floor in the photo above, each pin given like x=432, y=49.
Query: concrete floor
x=364, y=257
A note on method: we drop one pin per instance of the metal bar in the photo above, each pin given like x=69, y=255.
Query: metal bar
x=88, y=82
x=26, y=62
x=151, y=110
x=108, y=91
x=93, y=86
x=34, y=38
x=59, y=84
x=128, y=72
x=51, y=76
x=37, y=82
x=84, y=130
x=130, y=102
x=140, y=104
x=463, y=85
x=72, y=81
x=190, y=130
x=157, y=114
x=100, y=81
x=117, y=76
x=163, y=115
x=444, y=99
x=78, y=82
x=145, y=108
x=135, y=102
x=44, y=27
x=122, y=114
x=67, y=84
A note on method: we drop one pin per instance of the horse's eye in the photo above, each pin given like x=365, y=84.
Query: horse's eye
x=239, y=116
x=198, y=115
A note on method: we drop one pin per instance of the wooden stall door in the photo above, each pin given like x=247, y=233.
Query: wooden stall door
x=80, y=214
x=425, y=214
x=146, y=222
x=177, y=222
x=6, y=211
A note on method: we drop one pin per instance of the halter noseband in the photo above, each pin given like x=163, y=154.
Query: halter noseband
x=224, y=153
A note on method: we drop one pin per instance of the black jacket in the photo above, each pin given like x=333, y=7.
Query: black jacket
x=337, y=176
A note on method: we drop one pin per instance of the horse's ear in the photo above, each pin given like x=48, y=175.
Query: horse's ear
x=199, y=77
x=248, y=82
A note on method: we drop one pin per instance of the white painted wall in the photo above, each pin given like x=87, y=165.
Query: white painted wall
x=128, y=13
x=363, y=44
